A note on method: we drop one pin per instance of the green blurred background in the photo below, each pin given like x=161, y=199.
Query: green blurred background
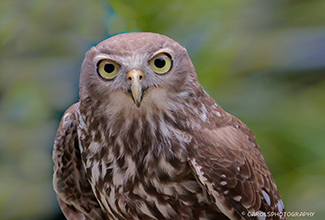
x=263, y=61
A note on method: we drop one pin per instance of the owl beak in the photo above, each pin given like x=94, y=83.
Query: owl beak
x=135, y=76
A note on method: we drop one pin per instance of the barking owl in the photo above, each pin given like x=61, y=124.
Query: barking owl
x=145, y=141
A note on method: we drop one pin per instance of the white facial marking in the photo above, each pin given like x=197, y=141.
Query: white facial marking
x=100, y=57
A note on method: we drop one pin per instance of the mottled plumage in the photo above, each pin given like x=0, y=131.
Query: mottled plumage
x=147, y=142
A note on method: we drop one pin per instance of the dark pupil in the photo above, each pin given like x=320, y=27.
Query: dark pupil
x=160, y=62
x=109, y=68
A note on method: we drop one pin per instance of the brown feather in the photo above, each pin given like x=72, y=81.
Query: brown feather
x=74, y=192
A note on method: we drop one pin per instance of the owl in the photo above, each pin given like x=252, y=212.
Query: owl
x=146, y=141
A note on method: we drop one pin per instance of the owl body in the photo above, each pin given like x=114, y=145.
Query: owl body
x=147, y=142
x=139, y=170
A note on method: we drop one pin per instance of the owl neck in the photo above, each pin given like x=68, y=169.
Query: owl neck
x=155, y=126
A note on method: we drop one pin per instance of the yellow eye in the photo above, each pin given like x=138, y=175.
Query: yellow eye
x=161, y=63
x=108, y=69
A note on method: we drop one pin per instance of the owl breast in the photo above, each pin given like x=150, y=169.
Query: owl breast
x=148, y=179
x=151, y=188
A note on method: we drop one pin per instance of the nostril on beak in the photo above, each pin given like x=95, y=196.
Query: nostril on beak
x=135, y=74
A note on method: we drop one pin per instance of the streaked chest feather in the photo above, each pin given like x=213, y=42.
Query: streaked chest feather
x=144, y=188
x=142, y=172
x=143, y=185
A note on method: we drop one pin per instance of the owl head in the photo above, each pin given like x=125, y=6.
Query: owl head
x=136, y=69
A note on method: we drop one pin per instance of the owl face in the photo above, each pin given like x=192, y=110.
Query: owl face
x=135, y=68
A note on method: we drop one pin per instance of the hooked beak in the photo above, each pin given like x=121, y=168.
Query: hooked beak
x=135, y=76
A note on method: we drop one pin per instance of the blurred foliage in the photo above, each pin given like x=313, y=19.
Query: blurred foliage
x=42, y=47
x=263, y=61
